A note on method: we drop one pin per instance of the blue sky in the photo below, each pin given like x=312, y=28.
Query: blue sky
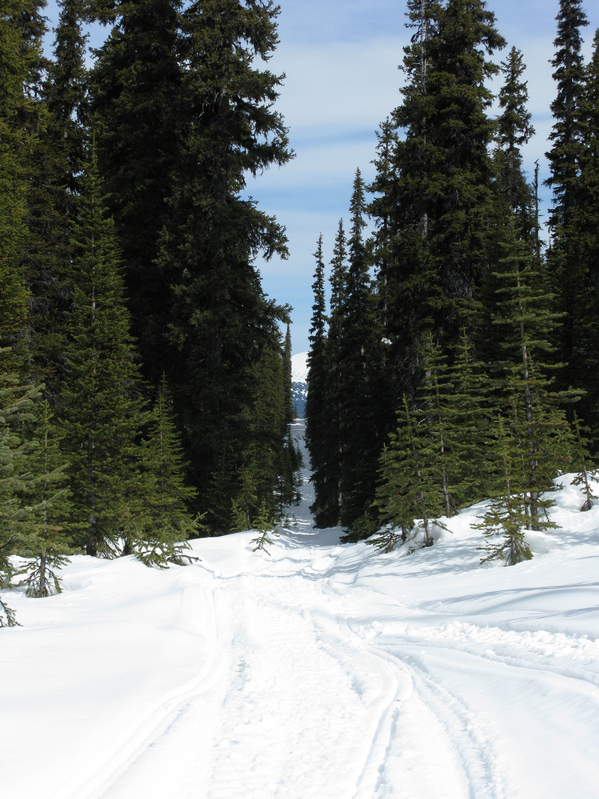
x=340, y=58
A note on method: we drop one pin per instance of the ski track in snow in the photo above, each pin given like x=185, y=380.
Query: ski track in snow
x=324, y=671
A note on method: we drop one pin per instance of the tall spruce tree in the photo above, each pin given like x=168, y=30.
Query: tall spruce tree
x=137, y=104
x=514, y=130
x=567, y=267
x=362, y=402
x=17, y=59
x=317, y=402
x=470, y=424
x=526, y=323
x=566, y=136
x=219, y=320
x=515, y=204
x=582, y=293
x=328, y=450
x=100, y=407
x=439, y=220
x=65, y=93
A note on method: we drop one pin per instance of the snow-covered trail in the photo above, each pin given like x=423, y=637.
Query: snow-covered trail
x=320, y=670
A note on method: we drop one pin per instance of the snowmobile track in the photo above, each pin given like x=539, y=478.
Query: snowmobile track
x=126, y=749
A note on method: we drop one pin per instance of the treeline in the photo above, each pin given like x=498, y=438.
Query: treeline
x=459, y=357
x=145, y=388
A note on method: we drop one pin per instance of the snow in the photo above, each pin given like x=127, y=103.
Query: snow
x=299, y=367
x=320, y=670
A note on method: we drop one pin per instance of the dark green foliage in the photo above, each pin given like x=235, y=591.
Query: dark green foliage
x=469, y=423
x=566, y=135
x=290, y=457
x=164, y=524
x=219, y=322
x=410, y=495
x=526, y=324
x=264, y=523
x=513, y=131
x=65, y=93
x=434, y=216
x=572, y=273
x=318, y=416
x=138, y=104
x=323, y=428
x=508, y=514
x=574, y=263
x=15, y=63
x=358, y=363
x=45, y=497
x=16, y=534
x=347, y=401
x=100, y=408
x=433, y=400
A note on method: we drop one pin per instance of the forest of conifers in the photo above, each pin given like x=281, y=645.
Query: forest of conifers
x=145, y=392
x=458, y=359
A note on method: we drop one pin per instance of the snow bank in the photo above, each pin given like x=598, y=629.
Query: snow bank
x=320, y=670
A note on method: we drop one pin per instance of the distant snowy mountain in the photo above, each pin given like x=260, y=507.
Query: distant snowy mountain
x=299, y=379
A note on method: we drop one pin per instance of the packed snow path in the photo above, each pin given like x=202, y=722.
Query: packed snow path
x=321, y=670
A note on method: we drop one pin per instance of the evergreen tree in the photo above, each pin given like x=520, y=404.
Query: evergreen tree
x=568, y=269
x=219, y=321
x=410, y=495
x=159, y=534
x=326, y=452
x=526, y=324
x=287, y=377
x=138, y=105
x=469, y=422
x=513, y=131
x=318, y=418
x=586, y=472
x=514, y=198
x=438, y=219
x=434, y=402
x=15, y=63
x=576, y=258
x=289, y=480
x=359, y=386
x=564, y=156
x=55, y=168
x=48, y=509
x=101, y=411
x=65, y=93
x=16, y=410
x=508, y=514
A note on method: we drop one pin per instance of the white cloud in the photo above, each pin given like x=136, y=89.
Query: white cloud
x=349, y=85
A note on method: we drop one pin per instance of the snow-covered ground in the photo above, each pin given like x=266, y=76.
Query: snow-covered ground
x=323, y=670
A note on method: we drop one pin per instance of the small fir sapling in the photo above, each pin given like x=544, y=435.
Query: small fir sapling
x=507, y=516
x=165, y=523
x=582, y=458
x=46, y=498
x=265, y=525
x=410, y=496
